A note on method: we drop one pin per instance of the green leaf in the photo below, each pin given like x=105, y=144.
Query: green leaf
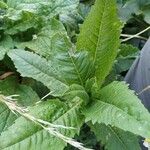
x=27, y=97
x=5, y=45
x=115, y=139
x=52, y=43
x=29, y=14
x=62, y=6
x=137, y=7
x=15, y=3
x=126, y=56
x=123, y=64
x=128, y=9
x=3, y=5
x=50, y=39
x=7, y=118
x=127, y=50
x=49, y=8
x=37, y=86
x=30, y=136
x=17, y=21
x=146, y=13
x=33, y=66
x=73, y=67
x=11, y=86
x=58, y=73
x=76, y=90
x=116, y=105
x=100, y=36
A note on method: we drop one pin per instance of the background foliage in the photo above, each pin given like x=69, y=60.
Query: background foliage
x=38, y=55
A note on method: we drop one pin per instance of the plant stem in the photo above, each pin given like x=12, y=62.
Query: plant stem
x=135, y=36
x=129, y=35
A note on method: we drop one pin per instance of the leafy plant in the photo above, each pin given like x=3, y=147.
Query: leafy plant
x=135, y=7
x=34, y=39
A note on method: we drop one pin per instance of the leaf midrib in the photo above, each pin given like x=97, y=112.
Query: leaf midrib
x=40, y=70
x=78, y=73
x=119, y=139
x=117, y=108
x=100, y=29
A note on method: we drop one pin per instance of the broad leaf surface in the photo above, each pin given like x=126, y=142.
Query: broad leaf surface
x=100, y=36
x=132, y=7
x=5, y=45
x=73, y=67
x=32, y=65
x=115, y=139
x=17, y=22
x=24, y=134
x=126, y=56
x=23, y=15
x=49, y=7
x=53, y=43
x=26, y=97
x=76, y=90
x=116, y=105
x=52, y=38
x=3, y=5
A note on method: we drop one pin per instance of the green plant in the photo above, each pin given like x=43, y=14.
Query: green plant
x=36, y=42
x=134, y=7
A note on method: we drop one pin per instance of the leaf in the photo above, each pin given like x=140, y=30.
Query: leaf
x=73, y=67
x=7, y=118
x=146, y=13
x=3, y=5
x=115, y=139
x=137, y=7
x=37, y=86
x=27, y=97
x=10, y=86
x=117, y=106
x=32, y=137
x=21, y=21
x=5, y=45
x=47, y=40
x=84, y=9
x=30, y=14
x=58, y=74
x=53, y=43
x=49, y=8
x=127, y=50
x=63, y=6
x=33, y=66
x=128, y=9
x=126, y=56
x=100, y=36
x=76, y=90
x=123, y=64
